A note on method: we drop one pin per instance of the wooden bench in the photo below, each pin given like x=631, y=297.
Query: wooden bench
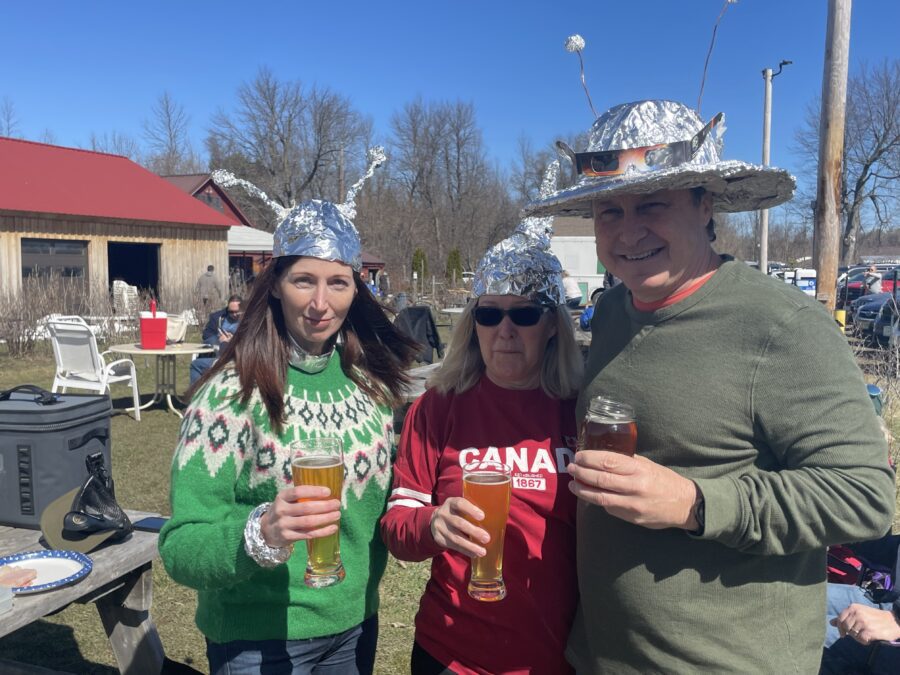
x=120, y=585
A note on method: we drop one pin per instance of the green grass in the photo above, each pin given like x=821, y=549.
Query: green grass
x=73, y=640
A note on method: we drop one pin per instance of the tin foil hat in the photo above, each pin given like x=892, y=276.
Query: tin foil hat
x=654, y=130
x=522, y=264
x=315, y=227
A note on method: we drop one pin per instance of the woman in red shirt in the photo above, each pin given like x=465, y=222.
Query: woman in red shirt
x=506, y=392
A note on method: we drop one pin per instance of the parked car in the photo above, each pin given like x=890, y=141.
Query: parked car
x=854, y=286
x=886, y=320
x=854, y=306
x=867, y=312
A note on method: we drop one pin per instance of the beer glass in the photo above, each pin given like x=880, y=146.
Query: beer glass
x=487, y=486
x=608, y=425
x=320, y=461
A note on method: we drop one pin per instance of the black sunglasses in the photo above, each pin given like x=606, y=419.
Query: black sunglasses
x=528, y=315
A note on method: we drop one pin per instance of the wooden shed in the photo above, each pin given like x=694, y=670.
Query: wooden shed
x=101, y=217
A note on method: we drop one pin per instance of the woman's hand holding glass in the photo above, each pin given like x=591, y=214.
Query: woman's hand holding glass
x=290, y=520
x=450, y=528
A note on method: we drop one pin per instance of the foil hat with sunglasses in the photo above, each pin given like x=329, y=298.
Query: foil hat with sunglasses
x=523, y=264
x=315, y=227
x=645, y=146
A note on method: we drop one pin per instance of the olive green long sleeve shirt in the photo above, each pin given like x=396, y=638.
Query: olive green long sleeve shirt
x=748, y=388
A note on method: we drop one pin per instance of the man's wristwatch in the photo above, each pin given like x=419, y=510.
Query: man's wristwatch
x=698, y=510
x=256, y=547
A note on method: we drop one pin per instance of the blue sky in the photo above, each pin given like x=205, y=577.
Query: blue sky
x=79, y=67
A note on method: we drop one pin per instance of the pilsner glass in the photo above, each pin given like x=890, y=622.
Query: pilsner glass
x=608, y=425
x=487, y=486
x=320, y=461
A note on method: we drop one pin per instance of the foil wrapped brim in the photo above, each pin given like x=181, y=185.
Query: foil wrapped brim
x=734, y=185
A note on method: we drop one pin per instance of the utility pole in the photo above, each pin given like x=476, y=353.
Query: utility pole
x=826, y=235
x=768, y=76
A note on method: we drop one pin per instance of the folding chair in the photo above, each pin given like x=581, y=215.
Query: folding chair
x=81, y=365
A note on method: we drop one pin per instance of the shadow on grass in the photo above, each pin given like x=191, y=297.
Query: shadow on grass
x=50, y=645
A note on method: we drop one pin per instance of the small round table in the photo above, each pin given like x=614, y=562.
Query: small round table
x=165, y=367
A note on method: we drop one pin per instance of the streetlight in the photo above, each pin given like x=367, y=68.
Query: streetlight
x=768, y=76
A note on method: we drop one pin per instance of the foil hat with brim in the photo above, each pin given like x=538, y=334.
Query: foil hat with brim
x=734, y=185
x=523, y=264
x=315, y=227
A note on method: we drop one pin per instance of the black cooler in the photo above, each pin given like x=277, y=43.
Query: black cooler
x=44, y=439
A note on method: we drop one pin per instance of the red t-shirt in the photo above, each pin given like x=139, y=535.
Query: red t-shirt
x=526, y=632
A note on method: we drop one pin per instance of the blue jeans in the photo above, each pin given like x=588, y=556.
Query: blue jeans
x=349, y=653
x=846, y=655
x=199, y=366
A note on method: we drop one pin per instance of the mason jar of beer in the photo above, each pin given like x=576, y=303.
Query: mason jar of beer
x=608, y=425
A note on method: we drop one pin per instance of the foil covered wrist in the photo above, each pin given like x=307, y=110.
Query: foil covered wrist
x=256, y=547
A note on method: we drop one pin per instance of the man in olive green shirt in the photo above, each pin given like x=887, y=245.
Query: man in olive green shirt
x=757, y=445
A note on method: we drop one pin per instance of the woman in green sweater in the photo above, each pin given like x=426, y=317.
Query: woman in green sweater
x=314, y=355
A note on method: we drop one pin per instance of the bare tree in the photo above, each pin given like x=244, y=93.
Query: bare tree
x=9, y=121
x=47, y=136
x=294, y=143
x=530, y=165
x=116, y=143
x=447, y=189
x=869, y=190
x=528, y=169
x=166, y=134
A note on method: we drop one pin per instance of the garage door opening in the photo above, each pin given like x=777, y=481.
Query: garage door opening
x=135, y=264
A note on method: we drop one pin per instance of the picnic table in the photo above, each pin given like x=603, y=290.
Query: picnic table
x=120, y=585
x=166, y=374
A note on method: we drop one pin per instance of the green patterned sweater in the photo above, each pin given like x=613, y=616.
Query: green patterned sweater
x=228, y=461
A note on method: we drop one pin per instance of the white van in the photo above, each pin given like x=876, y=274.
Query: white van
x=803, y=278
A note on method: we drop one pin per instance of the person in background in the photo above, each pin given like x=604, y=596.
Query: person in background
x=314, y=355
x=208, y=287
x=757, y=445
x=505, y=391
x=864, y=617
x=220, y=329
x=862, y=632
x=872, y=280
x=384, y=285
x=573, y=291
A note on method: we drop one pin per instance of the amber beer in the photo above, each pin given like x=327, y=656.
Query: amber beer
x=608, y=425
x=487, y=486
x=319, y=461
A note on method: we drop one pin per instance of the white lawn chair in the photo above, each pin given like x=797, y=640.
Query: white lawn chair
x=79, y=363
x=125, y=298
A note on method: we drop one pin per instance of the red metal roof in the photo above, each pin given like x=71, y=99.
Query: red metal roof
x=194, y=183
x=41, y=178
x=189, y=182
x=369, y=260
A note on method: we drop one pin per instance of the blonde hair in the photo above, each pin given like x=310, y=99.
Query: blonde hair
x=561, y=371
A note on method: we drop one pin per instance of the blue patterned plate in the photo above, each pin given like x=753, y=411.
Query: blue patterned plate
x=54, y=569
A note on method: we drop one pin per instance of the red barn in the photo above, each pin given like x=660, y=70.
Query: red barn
x=101, y=217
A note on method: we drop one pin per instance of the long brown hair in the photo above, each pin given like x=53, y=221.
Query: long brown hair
x=374, y=355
